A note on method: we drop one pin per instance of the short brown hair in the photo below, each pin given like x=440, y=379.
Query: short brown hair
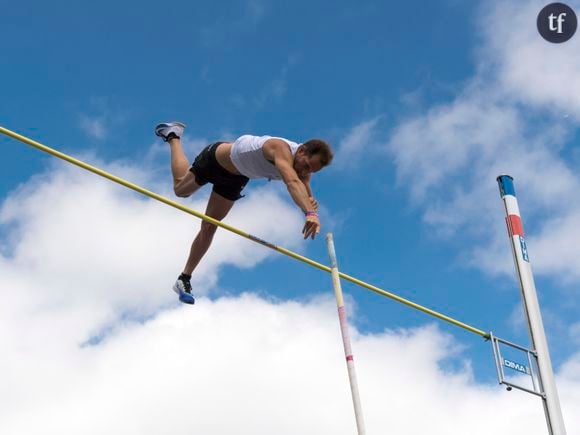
x=320, y=147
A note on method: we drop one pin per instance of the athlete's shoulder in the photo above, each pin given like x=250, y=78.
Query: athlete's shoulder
x=282, y=141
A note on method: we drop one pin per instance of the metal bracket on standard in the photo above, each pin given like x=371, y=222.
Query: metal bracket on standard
x=531, y=369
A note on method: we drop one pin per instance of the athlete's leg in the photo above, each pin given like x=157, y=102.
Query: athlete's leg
x=217, y=208
x=183, y=179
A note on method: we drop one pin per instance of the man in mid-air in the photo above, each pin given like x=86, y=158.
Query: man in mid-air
x=229, y=166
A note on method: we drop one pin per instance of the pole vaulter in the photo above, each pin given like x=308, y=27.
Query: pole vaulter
x=239, y=232
x=545, y=388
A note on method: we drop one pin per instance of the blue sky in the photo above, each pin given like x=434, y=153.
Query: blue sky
x=424, y=107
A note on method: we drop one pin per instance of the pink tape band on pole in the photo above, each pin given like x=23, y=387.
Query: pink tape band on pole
x=342, y=314
x=342, y=318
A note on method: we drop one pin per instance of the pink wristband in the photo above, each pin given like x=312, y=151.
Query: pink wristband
x=311, y=213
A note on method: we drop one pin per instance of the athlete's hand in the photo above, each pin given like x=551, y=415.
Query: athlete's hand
x=311, y=227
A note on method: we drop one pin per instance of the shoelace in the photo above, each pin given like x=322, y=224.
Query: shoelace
x=186, y=286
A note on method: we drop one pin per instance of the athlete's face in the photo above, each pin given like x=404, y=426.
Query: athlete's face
x=305, y=165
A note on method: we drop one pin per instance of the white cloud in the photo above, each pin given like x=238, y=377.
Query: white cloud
x=90, y=259
x=101, y=115
x=506, y=119
x=71, y=214
x=529, y=68
x=357, y=143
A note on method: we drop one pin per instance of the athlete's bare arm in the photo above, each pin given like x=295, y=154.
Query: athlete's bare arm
x=278, y=151
x=313, y=202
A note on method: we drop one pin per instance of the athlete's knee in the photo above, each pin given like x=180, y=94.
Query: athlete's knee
x=182, y=188
x=208, y=229
x=185, y=186
x=180, y=191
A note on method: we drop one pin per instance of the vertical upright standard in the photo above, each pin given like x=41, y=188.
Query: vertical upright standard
x=531, y=306
x=345, y=337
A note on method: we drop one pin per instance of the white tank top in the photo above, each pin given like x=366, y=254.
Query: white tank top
x=249, y=160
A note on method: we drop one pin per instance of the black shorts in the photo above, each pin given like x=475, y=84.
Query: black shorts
x=207, y=170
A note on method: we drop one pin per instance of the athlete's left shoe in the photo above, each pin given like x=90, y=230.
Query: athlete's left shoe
x=168, y=130
x=183, y=288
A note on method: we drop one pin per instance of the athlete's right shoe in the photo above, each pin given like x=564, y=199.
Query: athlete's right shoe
x=168, y=130
x=183, y=288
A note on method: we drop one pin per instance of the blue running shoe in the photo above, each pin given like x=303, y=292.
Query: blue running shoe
x=167, y=130
x=183, y=288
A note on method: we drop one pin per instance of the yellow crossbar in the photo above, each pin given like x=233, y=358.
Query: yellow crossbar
x=238, y=231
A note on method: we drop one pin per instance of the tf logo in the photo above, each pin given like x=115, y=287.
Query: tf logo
x=557, y=23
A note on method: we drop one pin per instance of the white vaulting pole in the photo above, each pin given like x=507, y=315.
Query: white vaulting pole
x=550, y=399
x=345, y=337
